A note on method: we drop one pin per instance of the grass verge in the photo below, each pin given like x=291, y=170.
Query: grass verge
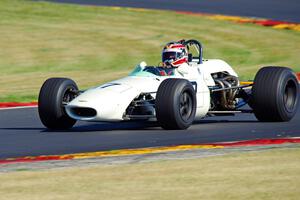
x=266, y=175
x=92, y=45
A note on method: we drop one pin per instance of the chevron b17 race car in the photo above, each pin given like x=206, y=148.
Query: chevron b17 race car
x=184, y=89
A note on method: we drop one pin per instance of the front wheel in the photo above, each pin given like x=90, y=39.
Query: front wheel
x=54, y=94
x=275, y=94
x=175, y=104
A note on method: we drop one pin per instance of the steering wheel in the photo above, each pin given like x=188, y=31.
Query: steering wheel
x=152, y=70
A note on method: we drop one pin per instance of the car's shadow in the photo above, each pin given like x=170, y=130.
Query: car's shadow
x=113, y=126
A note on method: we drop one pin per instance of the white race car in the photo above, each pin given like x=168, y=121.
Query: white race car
x=175, y=99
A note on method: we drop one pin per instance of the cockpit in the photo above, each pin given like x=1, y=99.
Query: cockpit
x=194, y=57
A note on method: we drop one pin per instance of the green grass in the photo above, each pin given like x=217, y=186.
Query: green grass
x=92, y=45
x=269, y=175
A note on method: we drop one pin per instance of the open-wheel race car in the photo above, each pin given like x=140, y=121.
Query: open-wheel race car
x=175, y=97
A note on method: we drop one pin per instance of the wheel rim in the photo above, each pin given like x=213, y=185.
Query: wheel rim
x=186, y=106
x=290, y=95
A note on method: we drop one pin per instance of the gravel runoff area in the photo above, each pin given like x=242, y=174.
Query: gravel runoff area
x=118, y=160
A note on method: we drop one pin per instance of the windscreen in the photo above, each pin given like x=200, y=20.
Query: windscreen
x=153, y=71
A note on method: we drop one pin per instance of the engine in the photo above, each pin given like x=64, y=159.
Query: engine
x=224, y=94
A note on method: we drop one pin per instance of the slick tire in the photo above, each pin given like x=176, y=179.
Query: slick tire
x=275, y=94
x=175, y=104
x=51, y=110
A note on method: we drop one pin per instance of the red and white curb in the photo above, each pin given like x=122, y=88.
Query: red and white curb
x=236, y=19
x=15, y=105
x=153, y=150
x=248, y=20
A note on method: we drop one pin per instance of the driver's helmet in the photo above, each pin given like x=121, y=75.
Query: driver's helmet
x=174, y=54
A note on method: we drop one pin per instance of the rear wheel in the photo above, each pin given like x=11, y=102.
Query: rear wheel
x=275, y=94
x=54, y=94
x=175, y=104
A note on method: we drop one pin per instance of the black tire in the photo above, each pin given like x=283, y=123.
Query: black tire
x=275, y=94
x=175, y=104
x=50, y=106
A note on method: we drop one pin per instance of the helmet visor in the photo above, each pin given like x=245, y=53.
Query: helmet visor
x=169, y=56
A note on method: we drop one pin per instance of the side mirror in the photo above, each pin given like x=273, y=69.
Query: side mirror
x=143, y=64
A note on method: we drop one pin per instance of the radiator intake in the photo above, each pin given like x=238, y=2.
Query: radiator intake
x=84, y=112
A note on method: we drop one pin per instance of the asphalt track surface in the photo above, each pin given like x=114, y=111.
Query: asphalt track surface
x=22, y=134
x=286, y=10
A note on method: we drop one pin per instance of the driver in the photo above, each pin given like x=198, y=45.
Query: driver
x=174, y=54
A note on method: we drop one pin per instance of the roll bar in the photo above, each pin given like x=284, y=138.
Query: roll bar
x=198, y=46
